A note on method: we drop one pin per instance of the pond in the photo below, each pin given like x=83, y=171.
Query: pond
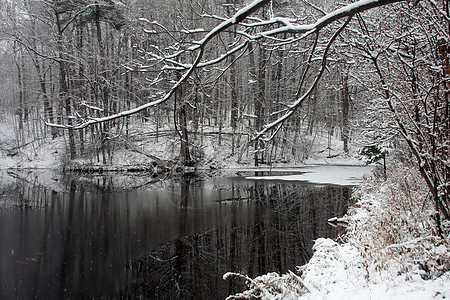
x=165, y=240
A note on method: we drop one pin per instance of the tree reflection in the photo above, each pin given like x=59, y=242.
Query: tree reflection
x=285, y=222
x=175, y=241
x=21, y=193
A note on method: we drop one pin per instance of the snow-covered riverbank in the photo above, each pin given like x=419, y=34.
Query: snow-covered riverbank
x=391, y=250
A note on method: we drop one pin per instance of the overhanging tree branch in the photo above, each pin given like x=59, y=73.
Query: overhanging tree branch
x=286, y=26
x=294, y=106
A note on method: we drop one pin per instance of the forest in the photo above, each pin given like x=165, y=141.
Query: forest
x=259, y=82
x=76, y=63
x=269, y=78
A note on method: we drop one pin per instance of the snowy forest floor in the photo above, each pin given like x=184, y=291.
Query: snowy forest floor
x=390, y=250
x=143, y=145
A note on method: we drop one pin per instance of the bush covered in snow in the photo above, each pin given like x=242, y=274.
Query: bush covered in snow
x=392, y=248
x=394, y=228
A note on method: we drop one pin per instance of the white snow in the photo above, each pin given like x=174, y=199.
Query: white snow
x=337, y=271
x=346, y=10
x=337, y=175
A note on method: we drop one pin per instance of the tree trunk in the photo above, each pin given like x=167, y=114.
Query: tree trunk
x=103, y=87
x=64, y=89
x=345, y=112
x=185, y=157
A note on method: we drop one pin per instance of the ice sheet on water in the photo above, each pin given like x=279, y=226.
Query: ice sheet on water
x=336, y=175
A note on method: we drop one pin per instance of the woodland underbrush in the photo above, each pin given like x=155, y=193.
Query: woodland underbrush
x=391, y=246
x=393, y=225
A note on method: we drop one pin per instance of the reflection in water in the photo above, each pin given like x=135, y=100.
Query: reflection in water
x=174, y=241
x=282, y=222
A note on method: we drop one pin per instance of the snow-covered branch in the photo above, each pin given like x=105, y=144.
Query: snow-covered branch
x=338, y=14
x=285, y=25
x=296, y=104
x=199, y=46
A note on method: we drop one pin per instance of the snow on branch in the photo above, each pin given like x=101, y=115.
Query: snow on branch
x=338, y=14
x=198, y=47
x=293, y=107
x=83, y=103
x=236, y=19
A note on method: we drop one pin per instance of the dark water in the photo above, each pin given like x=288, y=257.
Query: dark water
x=173, y=240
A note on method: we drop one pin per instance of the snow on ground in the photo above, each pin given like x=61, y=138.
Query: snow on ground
x=338, y=271
x=391, y=250
x=43, y=154
x=209, y=150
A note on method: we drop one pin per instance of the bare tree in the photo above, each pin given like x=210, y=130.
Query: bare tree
x=195, y=50
x=409, y=81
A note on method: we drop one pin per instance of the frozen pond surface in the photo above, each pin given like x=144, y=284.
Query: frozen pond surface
x=173, y=239
x=335, y=175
